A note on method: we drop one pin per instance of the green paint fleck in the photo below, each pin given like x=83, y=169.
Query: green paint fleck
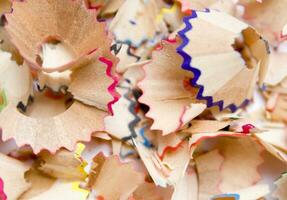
x=3, y=100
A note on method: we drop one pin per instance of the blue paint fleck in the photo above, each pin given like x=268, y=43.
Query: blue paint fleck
x=132, y=22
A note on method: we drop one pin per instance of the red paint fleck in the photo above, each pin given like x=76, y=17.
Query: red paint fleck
x=100, y=197
x=247, y=128
x=2, y=194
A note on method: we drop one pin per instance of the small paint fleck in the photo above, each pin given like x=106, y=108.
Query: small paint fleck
x=227, y=197
x=247, y=128
x=2, y=194
x=132, y=22
x=3, y=100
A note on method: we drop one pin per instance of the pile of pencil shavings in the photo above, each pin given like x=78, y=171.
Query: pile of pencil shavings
x=143, y=99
